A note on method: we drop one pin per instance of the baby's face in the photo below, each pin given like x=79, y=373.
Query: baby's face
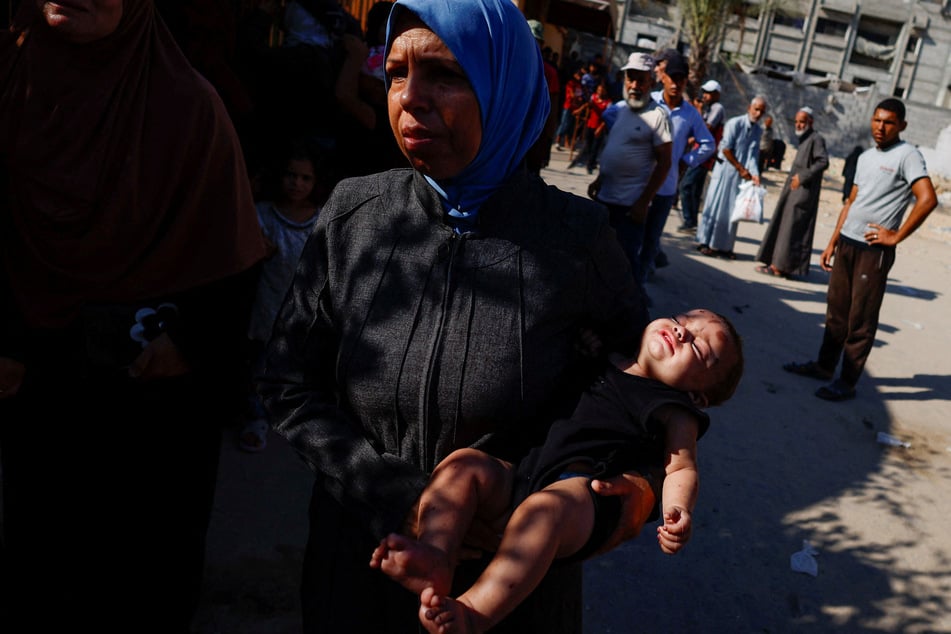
x=690, y=352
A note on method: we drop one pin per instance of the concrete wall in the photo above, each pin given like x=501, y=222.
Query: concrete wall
x=788, y=35
x=843, y=118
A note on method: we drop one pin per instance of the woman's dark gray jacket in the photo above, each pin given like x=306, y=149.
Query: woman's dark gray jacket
x=401, y=340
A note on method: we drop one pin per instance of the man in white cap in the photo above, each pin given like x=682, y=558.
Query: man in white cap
x=787, y=244
x=691, y=185
x=636, y=155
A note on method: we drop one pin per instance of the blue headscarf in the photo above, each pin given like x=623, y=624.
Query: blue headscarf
x=492, y=42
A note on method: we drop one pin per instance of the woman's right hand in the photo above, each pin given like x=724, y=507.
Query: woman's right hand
x=11, y=377
x=635, y=509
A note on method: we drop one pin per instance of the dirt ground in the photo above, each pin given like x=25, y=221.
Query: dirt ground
x=779, y=467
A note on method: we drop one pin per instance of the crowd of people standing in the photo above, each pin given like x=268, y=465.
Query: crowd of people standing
x=881, y=185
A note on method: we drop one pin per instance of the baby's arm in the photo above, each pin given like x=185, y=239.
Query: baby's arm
x=682, y=482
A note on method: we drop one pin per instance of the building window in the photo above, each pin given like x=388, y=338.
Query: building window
x=793, y=21
x=831, y=27
x=646, y=42
x=875, y=43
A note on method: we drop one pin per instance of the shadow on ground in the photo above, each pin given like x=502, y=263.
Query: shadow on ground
x=773, y=466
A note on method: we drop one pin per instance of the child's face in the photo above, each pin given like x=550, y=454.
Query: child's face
x=689, y=352
x=298, y=180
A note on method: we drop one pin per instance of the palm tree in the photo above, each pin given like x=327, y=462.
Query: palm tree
x=703, y=22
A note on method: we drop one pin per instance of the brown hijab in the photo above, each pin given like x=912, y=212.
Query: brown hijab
x=125, y=179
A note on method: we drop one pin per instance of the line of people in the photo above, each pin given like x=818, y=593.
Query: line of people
x=658, y=143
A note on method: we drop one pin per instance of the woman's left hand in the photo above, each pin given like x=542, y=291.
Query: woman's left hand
x=637, y=505
x=160, y=359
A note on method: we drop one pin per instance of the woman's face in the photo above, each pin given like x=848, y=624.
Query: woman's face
x=82, y=21
x=433, y=110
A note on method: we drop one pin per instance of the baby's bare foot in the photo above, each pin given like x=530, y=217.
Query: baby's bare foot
x=444, y=615
x=412, y=564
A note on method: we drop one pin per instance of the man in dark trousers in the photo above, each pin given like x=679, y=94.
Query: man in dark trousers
x=861, y=250
x=787, y=244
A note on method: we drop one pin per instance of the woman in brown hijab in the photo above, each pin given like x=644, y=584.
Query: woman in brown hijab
x=127, y=240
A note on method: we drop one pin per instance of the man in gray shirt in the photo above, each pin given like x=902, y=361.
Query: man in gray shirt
x=861, y=250
x=636, y=155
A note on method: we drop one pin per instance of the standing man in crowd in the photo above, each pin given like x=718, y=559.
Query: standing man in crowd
x=861, y=250
x=636, y=155
x=737, y=162
x=787, y=244
x=685, y=123
x=691, y=185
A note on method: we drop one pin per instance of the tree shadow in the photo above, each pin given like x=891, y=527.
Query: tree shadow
x=778, y=467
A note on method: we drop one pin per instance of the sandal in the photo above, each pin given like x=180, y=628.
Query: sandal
x=707, y=251
x=809, y=368
x=770, y=270
x=253, y=437
x=836, y=391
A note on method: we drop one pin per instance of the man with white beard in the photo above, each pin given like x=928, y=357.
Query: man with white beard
x=636, y=155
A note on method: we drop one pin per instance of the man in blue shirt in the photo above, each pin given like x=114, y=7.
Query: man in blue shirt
x=686, y=125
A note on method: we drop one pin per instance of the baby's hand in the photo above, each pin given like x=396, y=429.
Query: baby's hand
x=675, y=532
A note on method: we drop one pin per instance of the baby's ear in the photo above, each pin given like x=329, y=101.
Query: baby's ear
x=699, y=399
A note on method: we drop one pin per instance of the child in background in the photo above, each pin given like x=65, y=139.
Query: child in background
x=286, y=222
x=594, y=129
x=642, y=415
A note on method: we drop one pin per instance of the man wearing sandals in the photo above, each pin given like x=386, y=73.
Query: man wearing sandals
x=861, y=250
x=787, y=243
x=737, y=161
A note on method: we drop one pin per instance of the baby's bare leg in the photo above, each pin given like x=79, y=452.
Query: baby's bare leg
x=414, y=565
x=554, y=522
x=468, y=482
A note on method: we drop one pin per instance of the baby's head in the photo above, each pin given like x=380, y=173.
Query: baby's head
x=698, y=352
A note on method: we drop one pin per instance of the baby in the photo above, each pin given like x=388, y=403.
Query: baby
x=642, y=415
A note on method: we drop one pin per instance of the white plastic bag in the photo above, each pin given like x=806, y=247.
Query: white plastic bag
x=805, y=560
x=749, y=203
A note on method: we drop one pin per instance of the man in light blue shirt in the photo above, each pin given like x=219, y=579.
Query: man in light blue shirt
x=686, y=126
